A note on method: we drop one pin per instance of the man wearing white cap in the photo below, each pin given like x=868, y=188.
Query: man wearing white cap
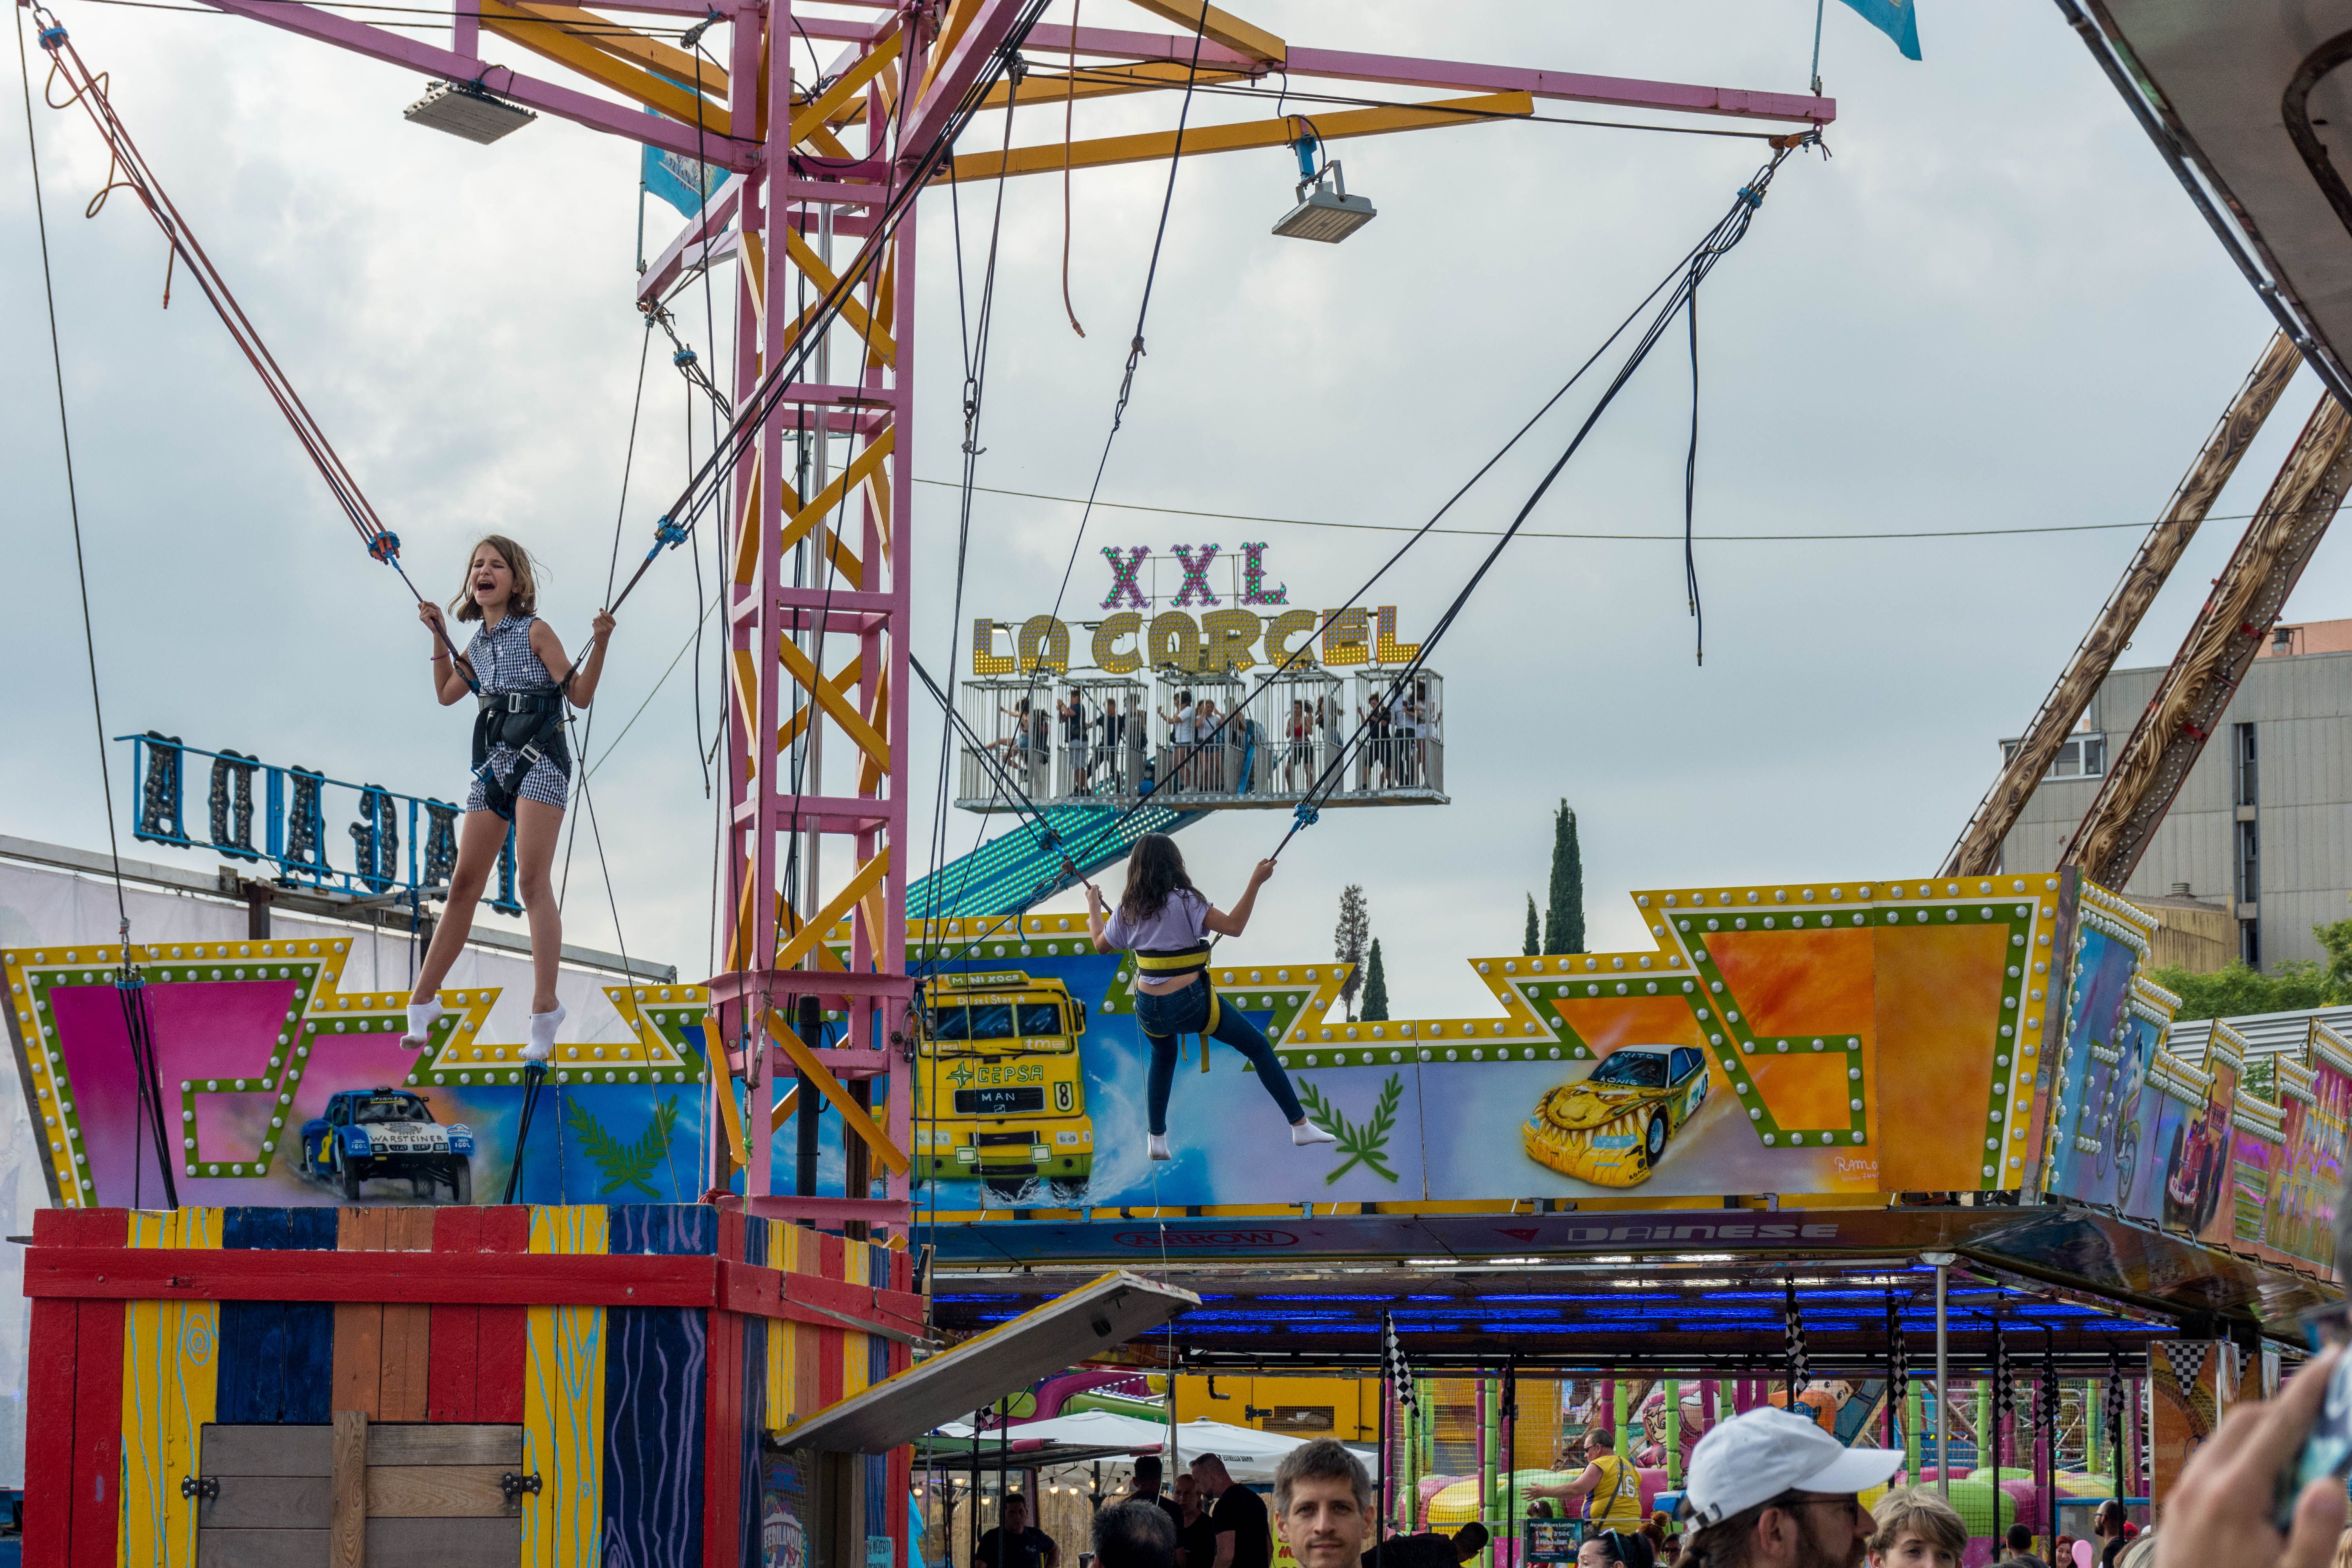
x=1769, y=1490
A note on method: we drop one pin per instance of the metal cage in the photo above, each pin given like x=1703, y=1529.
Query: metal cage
x=1403, y=744
x=1102, y=728
x=1013, y=720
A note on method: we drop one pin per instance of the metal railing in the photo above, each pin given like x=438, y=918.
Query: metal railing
x=291, y=802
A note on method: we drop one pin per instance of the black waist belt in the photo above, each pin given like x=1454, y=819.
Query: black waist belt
x=1168, y=963
x=530, y=723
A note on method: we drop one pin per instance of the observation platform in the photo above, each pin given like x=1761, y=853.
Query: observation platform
x=1194, y=742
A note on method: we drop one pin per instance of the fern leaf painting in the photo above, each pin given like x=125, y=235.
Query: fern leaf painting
x=624, y=1165
x=1364, y=1144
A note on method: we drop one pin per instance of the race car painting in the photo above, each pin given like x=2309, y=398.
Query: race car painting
x=1611, y=1129
x=390, y=1133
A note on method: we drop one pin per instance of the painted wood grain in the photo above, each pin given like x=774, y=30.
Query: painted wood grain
x=261, y=1548
x=445, y=1542
x=76, y=1354
x=563, y=1403
x=267, y=1502
x=453, y=1331
x=169, y=1382
x=252, y=1333
x=229, y=1450
x=437, y=1492
x=654, y=1404
x=406, y=1333
x=503, y=1342
x=433, y=1444
x=347, y=1534
x=359, y=1325
x=310, y=1329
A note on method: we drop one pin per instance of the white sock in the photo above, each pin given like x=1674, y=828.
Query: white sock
x=1305, y=1132
x=543, y=1035
x=421, y=1017
x=1159, y=1147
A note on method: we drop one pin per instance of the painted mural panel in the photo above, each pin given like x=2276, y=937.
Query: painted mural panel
x=2314, y=1096
x=2113, y=1028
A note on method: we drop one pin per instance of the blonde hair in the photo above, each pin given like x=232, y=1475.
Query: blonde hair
x=1915, y=1511
x=523, y=601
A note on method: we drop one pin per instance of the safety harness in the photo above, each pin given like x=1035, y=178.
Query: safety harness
x=1168, y=963
x=531, y=723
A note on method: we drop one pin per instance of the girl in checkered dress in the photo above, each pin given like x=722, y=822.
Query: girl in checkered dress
x=520, y=767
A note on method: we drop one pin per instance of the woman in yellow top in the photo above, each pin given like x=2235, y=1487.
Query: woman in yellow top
x=1611, y=1484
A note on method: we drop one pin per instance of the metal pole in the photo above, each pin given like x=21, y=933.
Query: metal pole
x=1942, y=1262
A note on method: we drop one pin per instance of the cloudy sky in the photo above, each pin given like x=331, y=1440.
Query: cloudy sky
x=1991, y=309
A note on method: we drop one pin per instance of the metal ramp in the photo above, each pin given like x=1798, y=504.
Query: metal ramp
x=1009, y=873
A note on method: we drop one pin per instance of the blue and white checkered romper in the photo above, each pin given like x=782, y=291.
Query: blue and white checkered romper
x=503, y=662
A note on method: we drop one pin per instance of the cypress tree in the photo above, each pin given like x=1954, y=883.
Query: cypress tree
x=1347, y=944
x=1376, y=989
x=1564, y=922
x=1535, y=937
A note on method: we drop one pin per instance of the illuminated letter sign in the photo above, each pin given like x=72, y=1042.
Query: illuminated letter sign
x=1123, y=588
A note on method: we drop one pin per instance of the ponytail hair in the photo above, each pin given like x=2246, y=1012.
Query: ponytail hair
x=1155, y=873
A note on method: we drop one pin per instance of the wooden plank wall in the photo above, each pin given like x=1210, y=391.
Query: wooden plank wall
x=655, y=1396
x=74, y=1379
x=171, y=1368
x=475, y=1361
x=277, y=1357
x=381, y=1348
x=563, y=1403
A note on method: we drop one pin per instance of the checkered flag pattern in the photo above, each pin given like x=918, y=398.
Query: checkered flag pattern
x=1794, y=1334
x=2185, y=1361
x=1393, y=1365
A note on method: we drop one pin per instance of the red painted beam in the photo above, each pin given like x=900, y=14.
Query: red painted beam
x=151, y=1274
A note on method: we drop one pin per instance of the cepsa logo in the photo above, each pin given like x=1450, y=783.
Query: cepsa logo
x=1199, y=1239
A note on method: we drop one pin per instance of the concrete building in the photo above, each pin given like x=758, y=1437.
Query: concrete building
x=2261, y=830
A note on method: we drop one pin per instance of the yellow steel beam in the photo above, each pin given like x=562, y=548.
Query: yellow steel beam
x=812, y=934
x=1222, y=27
x=869, y=772
x=820, y=112
x=1105, y=81
x=791, y=728
x=655, y=92
x=875, y=453
x=823, y=277
x=959, y=18
x=812, y=1068
x=619, y=39
x=783, y=1109
x=1151, y=146
x=837, y=708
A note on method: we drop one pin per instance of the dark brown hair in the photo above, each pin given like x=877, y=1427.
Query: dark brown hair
x=523, y=601
x=1154, y=872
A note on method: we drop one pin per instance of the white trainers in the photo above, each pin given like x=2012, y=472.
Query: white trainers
x=543, y=1035
x=1159, y=1147
x=1305, y=1132
x=421, y=1017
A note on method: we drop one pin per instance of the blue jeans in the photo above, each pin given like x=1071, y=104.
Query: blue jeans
x=1186, y=1012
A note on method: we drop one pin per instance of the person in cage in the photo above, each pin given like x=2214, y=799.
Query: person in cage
x=1164, y=920
x=1182, y=733
x=1073, y=713
x=522, y=769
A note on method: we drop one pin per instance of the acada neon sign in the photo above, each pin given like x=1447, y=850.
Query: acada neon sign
x=1226, y=634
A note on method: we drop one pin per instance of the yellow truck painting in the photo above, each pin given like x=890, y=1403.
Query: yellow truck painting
x=1001, y=1095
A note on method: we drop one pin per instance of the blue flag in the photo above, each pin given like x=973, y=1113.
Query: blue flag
x=1898, y=19
x=671, y=176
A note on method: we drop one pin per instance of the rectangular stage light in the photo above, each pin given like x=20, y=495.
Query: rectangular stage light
x=1326, y=214
x=462, y=109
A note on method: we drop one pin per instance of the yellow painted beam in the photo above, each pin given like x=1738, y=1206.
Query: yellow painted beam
x=828, y=145
x=822, y=276
x=655, y=92
x=812, y=1068
x=1151, y=145
x=738, y=1147
x=619, y=39
x=810, y=935
x=820, y=112
x=784, y=1108
x=959, y=18
x=874, y=454
x=790, y=730
x=1105, y=81
x=837, y=708
x=869, y=772
x=1222, y=26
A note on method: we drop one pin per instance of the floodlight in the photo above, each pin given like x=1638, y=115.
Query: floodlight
x=1325, y=213
x=466, y=109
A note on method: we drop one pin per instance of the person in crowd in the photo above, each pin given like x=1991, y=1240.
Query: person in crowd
x=1298, y=758
x=1375, y=720
x=1672, y=1551
x=1599, y=1551
x=1323, y=1499
x=2110, y=1530
x=2021, y=1549
x=1110, y=729
x=1609, y=1483
x=1429, y=1549
x=1243, y=1536
x=1769, y=1490
x=2219, y=1512
x=1196, y=1532
x=1072, y=710
x=1014, y=1543
x=2062, y=1551
x=1134, y=1534
x=2343, y=1551
x=1182, y=735
x=1917, y=1529
x=1146, y=1489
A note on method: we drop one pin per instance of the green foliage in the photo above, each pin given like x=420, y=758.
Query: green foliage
x=1535, y=934
x=1365, y=1143
x=1376, y=989
x=1355, y=929
x=623, y=1164
x=1564, y=922
x=2335, y=941
x=2237, y=990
